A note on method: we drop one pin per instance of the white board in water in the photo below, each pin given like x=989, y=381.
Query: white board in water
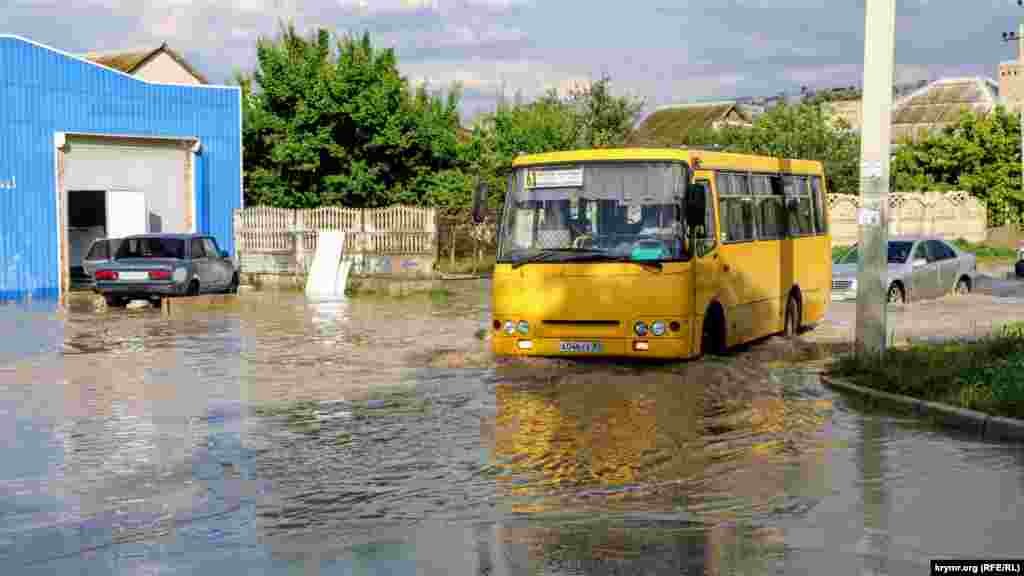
x=327, y=275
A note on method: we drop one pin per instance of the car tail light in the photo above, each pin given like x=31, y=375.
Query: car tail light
x=106, y=275
x=159, y=274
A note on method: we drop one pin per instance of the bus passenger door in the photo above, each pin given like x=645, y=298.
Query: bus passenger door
x=706, y=262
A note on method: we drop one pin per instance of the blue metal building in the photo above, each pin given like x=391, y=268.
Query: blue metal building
x=87, y=150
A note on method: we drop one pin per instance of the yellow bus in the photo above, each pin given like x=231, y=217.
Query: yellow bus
x=660, y=253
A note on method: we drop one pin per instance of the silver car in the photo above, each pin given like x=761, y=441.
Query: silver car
x=153, y=266
x=920, y=268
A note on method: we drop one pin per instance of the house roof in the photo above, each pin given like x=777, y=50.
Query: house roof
x=939, y=104
x=668, y=125
x=128, y=61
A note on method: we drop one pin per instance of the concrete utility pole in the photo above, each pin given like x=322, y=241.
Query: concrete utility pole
x=1018, y=37
x=873, y=219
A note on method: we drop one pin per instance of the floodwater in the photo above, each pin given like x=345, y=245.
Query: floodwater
x=373, y=436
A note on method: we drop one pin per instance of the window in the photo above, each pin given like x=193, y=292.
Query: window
x=773, y=218
x=941, y=250
x=732, y=184
x=739, y=219
x=921, y=252
x=151, y=248
x=707, y=235
x=98, y=251
x=210, y=245
x=197, y=248
x=800, y=212
x=820, y=208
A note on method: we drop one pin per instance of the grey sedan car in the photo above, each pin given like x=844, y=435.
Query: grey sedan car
x=152, y=266
x=920, y=268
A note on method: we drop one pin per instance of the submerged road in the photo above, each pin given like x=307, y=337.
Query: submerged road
x=278, y=436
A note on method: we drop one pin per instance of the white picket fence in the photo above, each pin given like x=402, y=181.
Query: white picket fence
x=281, y=240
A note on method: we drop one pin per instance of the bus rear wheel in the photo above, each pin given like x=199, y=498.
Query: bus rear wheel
x=792, y=321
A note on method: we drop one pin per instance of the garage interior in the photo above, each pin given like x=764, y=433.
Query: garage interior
x=115, y=187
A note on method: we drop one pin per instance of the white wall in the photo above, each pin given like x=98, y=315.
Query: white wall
x=163, y=68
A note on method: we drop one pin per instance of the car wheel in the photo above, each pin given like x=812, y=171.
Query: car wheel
x=233, y=287
x=963, y=287
x=792, y=320
x=114, y=301
x=896, y=294
x=713, y=334
x=1019, y=269
x=193, y=288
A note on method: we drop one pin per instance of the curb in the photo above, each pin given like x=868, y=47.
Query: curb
x=995, y=428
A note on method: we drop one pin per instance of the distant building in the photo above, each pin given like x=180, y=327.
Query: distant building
x=669, y=125
x=157, y=64
x=939, y=104
x=1011, y=78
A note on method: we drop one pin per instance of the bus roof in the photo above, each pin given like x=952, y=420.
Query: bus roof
x=707, y=159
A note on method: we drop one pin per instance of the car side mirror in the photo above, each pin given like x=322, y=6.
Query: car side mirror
x=479, y=199
x=920, y=262
x=696, y=205
x=224, y=254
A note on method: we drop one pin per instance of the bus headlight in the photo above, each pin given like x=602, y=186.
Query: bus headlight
x=658, y=328
x=523, y=327
x=640, y=328
x=510, y=327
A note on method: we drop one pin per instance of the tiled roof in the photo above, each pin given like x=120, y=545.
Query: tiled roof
x=669, y=125
x=128, y=61
x=939, y=104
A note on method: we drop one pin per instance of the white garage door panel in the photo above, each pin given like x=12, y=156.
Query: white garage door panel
x=159, y=172
x=126, y=213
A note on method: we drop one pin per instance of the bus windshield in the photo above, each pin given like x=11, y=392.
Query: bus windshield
x=614, y=210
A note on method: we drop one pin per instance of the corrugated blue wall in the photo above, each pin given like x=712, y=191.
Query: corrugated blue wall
x=42, y=92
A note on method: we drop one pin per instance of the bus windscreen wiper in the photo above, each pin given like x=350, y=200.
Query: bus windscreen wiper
x=548, y=252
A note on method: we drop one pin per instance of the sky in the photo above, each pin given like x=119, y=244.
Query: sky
x=658, y=50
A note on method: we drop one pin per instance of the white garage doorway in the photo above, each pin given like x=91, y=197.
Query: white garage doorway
x=114, y=187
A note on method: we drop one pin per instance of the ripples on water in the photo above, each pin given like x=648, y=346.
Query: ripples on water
x=377, y=435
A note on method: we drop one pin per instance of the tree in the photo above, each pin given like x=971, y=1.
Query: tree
x=794, y=131
x=587, y=117
x=980, y=154
x=336, y=124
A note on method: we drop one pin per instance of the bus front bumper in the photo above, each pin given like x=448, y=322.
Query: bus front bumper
x=652, y=347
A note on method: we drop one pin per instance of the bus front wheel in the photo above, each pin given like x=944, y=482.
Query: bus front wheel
x=713, y=333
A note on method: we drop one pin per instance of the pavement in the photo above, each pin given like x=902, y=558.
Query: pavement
x=992, y=303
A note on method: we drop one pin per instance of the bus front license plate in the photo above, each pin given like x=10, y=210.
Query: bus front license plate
x=586, y=347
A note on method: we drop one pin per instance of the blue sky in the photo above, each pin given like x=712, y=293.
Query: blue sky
x=661, y=50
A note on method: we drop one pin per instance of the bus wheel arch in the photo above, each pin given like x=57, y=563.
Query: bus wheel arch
x=713, y=332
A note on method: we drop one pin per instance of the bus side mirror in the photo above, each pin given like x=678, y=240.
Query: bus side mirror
x=696, y=205
x=479, y=199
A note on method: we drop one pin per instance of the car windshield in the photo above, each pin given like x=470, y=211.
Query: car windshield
x=899, y=250
x=627, y=210
x=151, y=248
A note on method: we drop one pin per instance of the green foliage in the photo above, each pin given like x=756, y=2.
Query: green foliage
x=985, y=251
x=983, y=375
x=335, y=124
x=588, y=117
x=979, y=154
x=794, y=131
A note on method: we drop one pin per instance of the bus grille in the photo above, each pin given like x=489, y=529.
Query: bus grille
x=842, y=284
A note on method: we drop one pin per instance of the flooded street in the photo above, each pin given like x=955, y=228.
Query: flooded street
x=373, y=436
